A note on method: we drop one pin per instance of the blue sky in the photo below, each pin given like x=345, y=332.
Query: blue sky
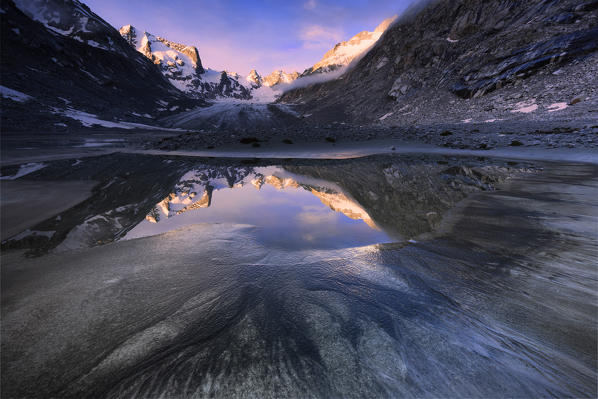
x=263, y=34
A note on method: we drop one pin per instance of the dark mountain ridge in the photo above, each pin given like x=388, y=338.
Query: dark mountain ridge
x=440, y=55
x=75, y=61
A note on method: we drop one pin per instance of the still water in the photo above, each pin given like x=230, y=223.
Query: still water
x=388, y=276
x=288, y=211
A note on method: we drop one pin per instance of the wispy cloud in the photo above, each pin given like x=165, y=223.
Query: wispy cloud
x=238, y=35
x=319, y=37
x=310, y=4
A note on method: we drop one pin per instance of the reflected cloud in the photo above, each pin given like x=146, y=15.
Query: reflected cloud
x=288, y=208
x=318, y=36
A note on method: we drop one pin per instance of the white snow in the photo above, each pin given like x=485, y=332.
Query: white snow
x=345, y=52
x=264, y=94
x=89, y=120
x=385, y=116
x=63, y=32
x=557, y=107
x=211, y=76
x=467, y=120
x=96, y=44
x=98, y=143
x=93, y=77
x=25, y=169
x=14, y=95
x=526, y=107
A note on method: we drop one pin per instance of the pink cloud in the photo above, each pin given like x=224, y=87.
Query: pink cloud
x=320, y=37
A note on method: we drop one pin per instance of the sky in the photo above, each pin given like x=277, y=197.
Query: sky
x=240, y=35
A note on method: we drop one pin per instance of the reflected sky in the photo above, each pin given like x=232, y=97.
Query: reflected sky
x=290, y=218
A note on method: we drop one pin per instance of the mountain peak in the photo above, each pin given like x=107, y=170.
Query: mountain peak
x=182, y=65
x=344, y=53
x=153, y=47
x=255, y=79
x=280, y=76
x=385, y=24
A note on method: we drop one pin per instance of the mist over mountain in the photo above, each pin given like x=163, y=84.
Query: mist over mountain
x=343, y=53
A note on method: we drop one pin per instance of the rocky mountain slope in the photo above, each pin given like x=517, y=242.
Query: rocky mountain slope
x=344, y=53
x=254, y=79
x=181, y=64
x=63, y=66
x=470, y=61
x=278, y=77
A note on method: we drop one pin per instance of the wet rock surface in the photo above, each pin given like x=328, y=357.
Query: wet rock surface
x=501, y=301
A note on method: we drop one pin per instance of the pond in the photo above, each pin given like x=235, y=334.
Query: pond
x=409, y=276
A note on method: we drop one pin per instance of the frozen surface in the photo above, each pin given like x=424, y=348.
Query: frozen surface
x=208, y=309
x=14, y=95
x=499, y=302
x=24, y=170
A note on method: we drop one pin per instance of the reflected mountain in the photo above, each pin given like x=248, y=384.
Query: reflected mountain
x=397, y=197
x=231, y=279
x=194, y=190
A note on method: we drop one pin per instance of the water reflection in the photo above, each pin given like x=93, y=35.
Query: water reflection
x=291, y=204
x=500, y=305
x=288, y=211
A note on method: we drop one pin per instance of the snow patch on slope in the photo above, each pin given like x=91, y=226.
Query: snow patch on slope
x=89, y=120
x=14, y=95
x=25, y=169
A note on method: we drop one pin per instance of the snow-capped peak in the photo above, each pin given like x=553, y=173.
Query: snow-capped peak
x=254, y=79
x=344, y=52
x=279, y=76
x=182, y=65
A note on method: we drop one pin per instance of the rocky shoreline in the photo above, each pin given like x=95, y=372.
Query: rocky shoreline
x=485, y=136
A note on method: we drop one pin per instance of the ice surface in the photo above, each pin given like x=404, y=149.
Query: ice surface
x=25, y=170
x=14, y=95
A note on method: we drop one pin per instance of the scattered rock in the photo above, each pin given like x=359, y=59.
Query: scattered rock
x=249, y=140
